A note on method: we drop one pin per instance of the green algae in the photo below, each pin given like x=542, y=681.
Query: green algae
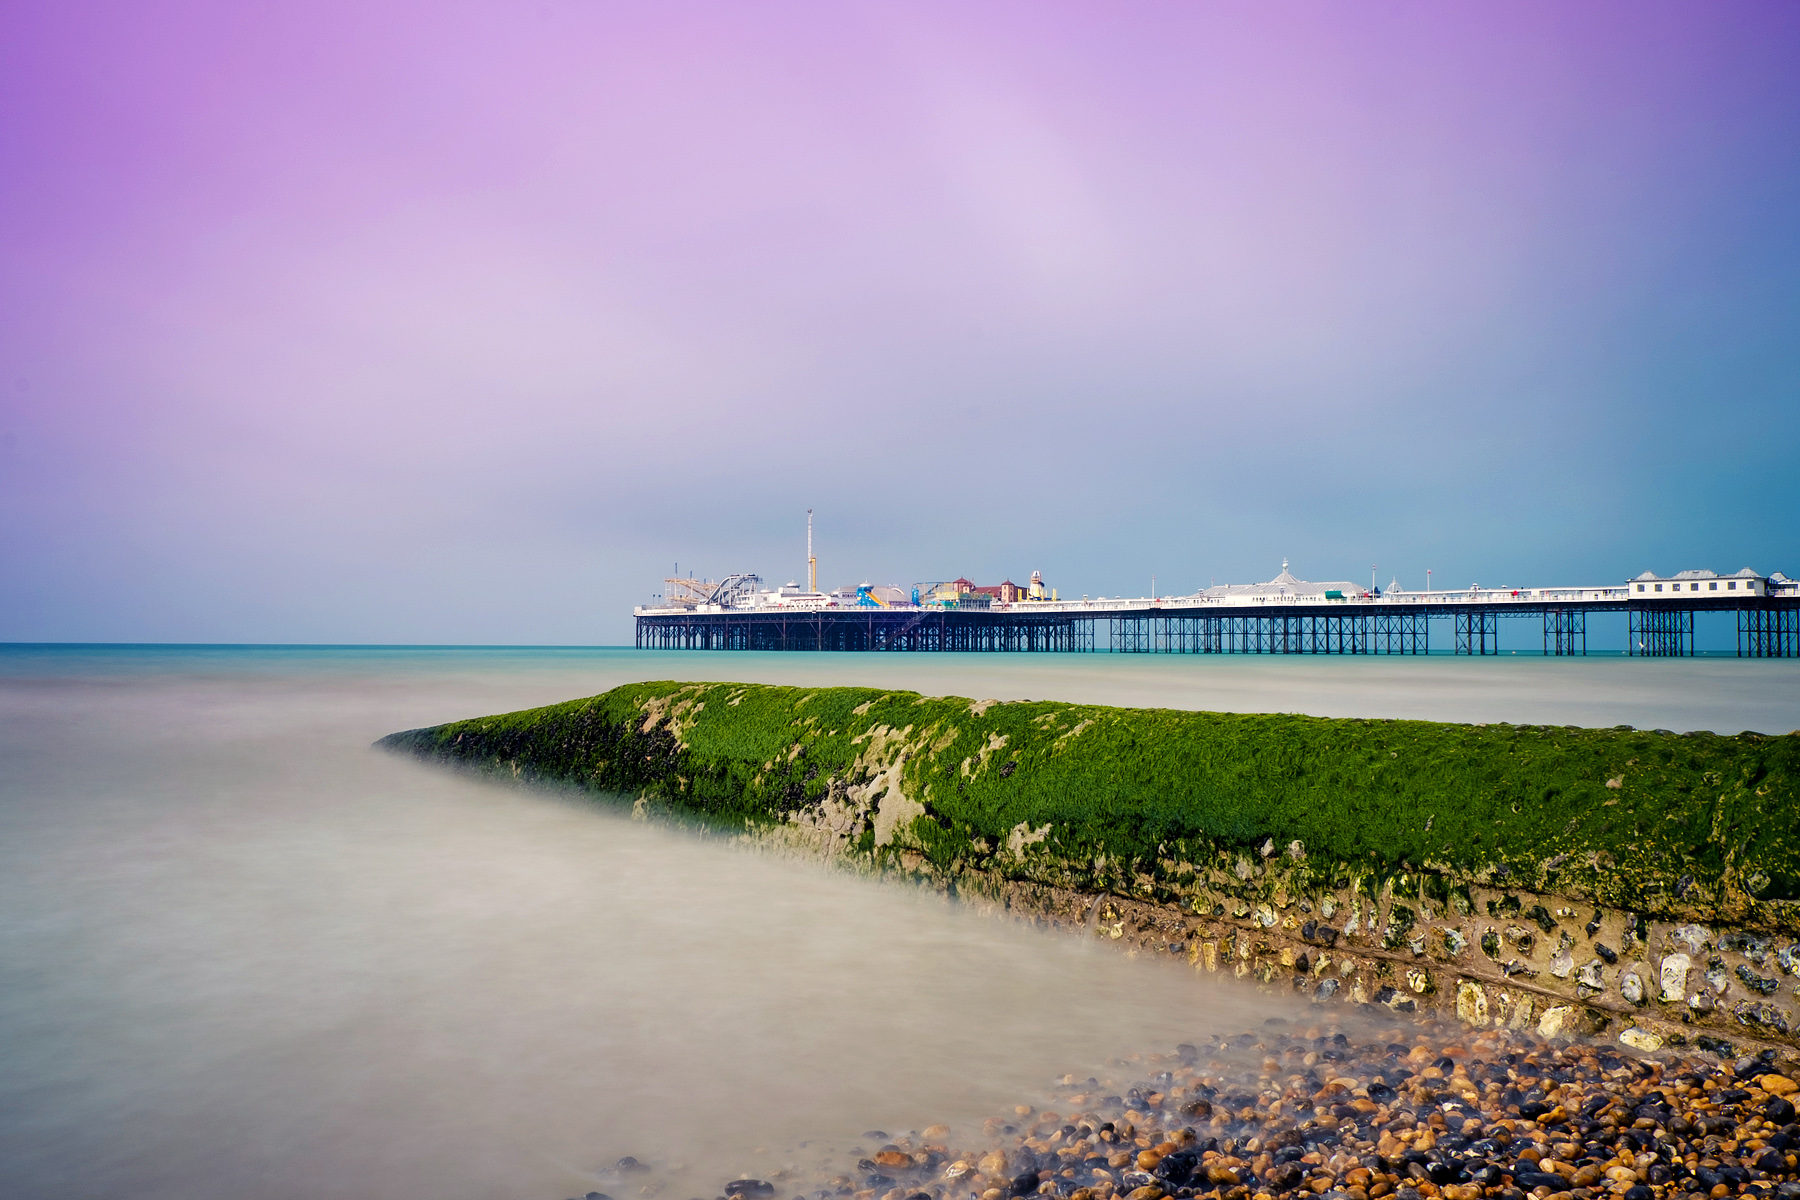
x=1138, y=800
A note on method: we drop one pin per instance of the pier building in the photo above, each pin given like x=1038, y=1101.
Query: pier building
x=1746, y=581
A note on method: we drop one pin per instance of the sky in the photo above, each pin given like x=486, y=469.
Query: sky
x=467, y=322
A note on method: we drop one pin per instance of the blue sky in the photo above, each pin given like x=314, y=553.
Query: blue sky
x=323, y=323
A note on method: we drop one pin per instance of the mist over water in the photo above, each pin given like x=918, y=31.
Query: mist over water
x=243, y=952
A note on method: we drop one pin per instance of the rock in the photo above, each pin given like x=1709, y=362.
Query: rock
x=1284, y=1177
x=1692, y=938
x=1632, y=988
x=1483, y=1113
x=1750, y=945
x=935, y=1133
x=1761, y=984
x=1393, y=999
x=1713, y=1045
x=1562, y=964
x=1527, y=1180
x=1471, y=1003
x=749, y=1188
x=1766, y=1015
x=1674, y=977
x=897, y=1160
x=1558, y=1021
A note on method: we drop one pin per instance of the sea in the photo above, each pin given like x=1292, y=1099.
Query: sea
x=243, y=953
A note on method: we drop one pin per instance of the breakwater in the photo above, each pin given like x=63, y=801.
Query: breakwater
x=1638, y=884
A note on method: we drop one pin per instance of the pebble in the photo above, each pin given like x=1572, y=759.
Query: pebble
x=1425, y=1110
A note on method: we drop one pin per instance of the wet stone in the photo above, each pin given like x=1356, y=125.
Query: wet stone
x=1401, y=1108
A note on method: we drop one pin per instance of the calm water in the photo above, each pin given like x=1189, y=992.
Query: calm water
x=242, y=953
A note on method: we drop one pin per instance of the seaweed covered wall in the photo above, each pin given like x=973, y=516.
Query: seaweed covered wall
x=1576, y=880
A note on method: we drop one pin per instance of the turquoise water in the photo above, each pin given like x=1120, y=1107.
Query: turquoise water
x=243, y=953
x=1722, y=694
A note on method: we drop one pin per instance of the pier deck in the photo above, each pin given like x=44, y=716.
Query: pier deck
x=1768, y=626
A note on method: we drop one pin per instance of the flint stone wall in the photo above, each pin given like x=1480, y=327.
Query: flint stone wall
x=1493, y=956
x=830, y=770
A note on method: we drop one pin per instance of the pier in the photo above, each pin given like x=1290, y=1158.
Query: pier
x=1285, y=616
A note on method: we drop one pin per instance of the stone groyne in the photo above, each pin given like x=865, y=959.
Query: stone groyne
x=1638, y=885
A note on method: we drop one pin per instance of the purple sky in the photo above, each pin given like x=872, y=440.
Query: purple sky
x=458, y=322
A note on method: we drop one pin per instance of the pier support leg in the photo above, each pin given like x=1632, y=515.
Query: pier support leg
x=1565, y=631
x=1660, y=633
x=1477, y=633
x=1768, y=632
